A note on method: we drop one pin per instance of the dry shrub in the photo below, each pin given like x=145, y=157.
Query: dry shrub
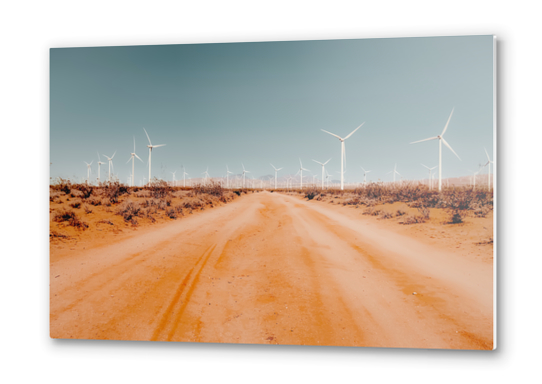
x=76, y=203
x=159, y=188
x=171, y=213
x=386, y=215
x=105, y=222
x=310, y=193
x=212, y=188
x=87, y=209
x=69, y=216
x=93, y=200
x=128, y=210
x=400, y=212
x=54, y=234
x=54, y=195
x=113, y=190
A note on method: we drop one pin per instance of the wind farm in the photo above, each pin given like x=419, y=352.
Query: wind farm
x=189, y=244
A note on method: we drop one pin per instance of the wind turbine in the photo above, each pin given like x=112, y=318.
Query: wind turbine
x=327, y=178
x=150, y=146
x=474, y=179
x=364, y=175
x=322, y=164
x=88, y=170
x=440, y=141
x=394, y=172
x=110, y=160
x=343, y=151
x=206, y=174
x=301, y=169
x=244, y=171
x=227, y=176
x=430, y=179
x=276, y=171
x=99, y=166
x=184, y=176
x=489, y=162
x=133, y=155
x=173, y=181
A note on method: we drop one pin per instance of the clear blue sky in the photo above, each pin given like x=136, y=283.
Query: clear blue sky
x=261, y=103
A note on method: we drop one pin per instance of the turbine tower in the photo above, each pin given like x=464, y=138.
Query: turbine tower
x=394, y=172
x=110, y=160
x=228, y=176
x=343, y=152
x=206, y=174
x=323, y=165
x=99, y=166
x=244, y=171
x=276, y=171
x=489, y=162
x=301, y=169
x=88, y=170
x=474, y=179
x=440, y=141
x=150, y=146
x=133, y=155
x=173, y=181
x=364, y=175
x=430, y=179
x=184, y=176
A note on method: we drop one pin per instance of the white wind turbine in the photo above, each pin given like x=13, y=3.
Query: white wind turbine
x=394, y=172
x=150, y=146
x=173, y=173
x=133, y=155
x=343, y=151
x=364, y=175
x=474, y=178
x=228, y=176
x=323, y=165
x=489, y=162
x=244, y=171
x=99, y=166
x=88, y=170
x=276, y=171
x=301, y=169
x=206, y=174
x=184, y=176
x=110, y=160
x=327, y=179
x=440, y=141
x=430, y=179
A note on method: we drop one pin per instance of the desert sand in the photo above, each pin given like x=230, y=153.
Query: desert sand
x=274, y=268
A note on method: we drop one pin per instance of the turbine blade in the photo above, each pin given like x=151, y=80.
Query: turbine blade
x=327, y=161
x=317, y=162
x=114, y=154
x=332, y=134
x=419, y=141
x=425, y=166
x=134, y=143
x=351, y=133
x=159, y=145
x=138, y=157
x=147, y=136
x=279, y=169
x=448, y=122
x=488, y=159
x=448, y=145
x=131, y=157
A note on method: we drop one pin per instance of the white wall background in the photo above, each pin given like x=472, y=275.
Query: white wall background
x=29, y=29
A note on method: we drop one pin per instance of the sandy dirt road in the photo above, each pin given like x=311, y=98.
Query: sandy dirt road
x=272, y=268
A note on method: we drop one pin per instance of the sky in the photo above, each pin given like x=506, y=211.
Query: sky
x=259, y=103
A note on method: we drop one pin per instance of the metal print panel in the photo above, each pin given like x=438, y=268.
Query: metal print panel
x=305, y=193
